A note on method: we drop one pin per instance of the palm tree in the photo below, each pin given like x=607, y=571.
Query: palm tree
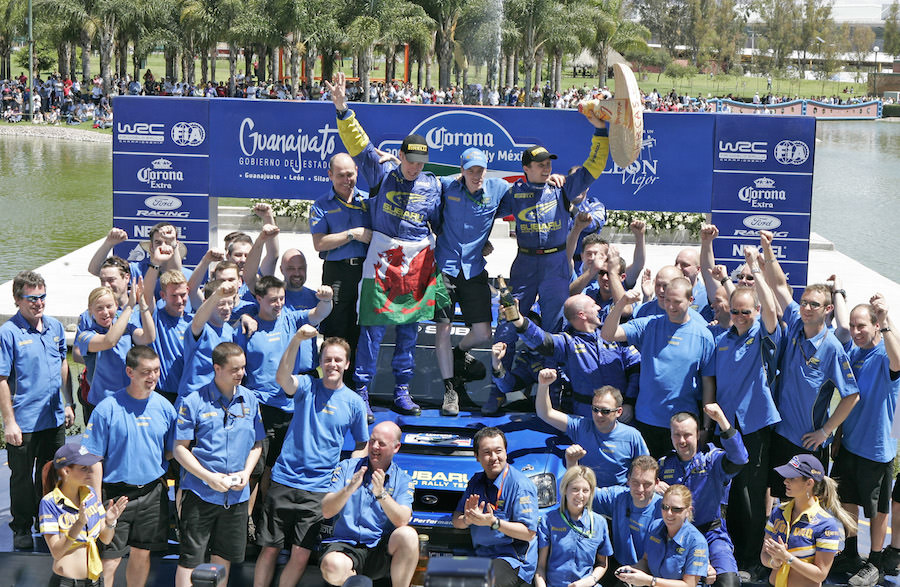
x=613, y=31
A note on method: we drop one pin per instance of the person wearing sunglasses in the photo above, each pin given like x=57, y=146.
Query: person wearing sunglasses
x=707, y=473
x=218, y=440
x=745, y=364
x=33, y=373
x=675, y=552
x=600, y=442
x=573, y=542
x=804, y=533
x=812, y=366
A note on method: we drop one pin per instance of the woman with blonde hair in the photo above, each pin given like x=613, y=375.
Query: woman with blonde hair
x=804, y=534
x=573, y=543
x=72, y=518
x=105, y=333
x=675, y=552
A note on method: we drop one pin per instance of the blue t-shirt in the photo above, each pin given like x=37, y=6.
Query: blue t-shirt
x=312, y=446
x=330, y=214
x=146, y=424
x=867, y=430
x=609, y=455
x=169, y=345
x=630, y=524
x=466, y=226
x=109, y=368
x=198, y=367
x=222, y=433
x=745, y=367
x=810, y=370
x=686, y=553
x=574, y=545
x=512, y=497
x=673, y=359
x=300, y=299
x=32, y=362
x=264, y=349
x=362, y=519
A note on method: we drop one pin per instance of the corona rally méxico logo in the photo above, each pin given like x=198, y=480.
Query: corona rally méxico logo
x=450, y=133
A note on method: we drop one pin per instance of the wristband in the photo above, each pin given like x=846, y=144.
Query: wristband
x=113, y=525
x=885, y=329
x=842, y=292
x=756, y=270
x=653, y=582
x=152, y=266
x=789, y=561
x=723, y=281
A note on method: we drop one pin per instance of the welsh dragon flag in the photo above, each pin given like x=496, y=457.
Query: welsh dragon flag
x=399, y=283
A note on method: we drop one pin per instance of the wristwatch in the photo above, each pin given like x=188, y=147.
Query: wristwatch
x=495, y=525
x=350, y=236
x=381, y=495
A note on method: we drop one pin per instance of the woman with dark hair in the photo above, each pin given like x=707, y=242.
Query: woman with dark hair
x=72, y=518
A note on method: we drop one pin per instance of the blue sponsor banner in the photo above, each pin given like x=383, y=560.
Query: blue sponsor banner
x=159, y=207
x=762, y=180
x=153, y=124
x=765, y=143
x=161, y=174
x=281, y=149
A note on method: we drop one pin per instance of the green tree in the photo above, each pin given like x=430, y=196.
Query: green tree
x=665, y=19
x=892, y=30
x=533, y=19
x=612, y=30
x=815, y=22
x=862, y=38
x=446, y=15
x=780, y=21
x=728, y=33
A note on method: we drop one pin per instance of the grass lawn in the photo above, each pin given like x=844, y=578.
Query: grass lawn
x=720, y=85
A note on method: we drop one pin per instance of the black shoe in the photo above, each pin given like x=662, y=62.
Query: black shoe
x=890, y=559
x=847, y=563
x=467, y=367
x=22, y=540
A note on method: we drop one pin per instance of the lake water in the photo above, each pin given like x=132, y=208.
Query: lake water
x=55, y=196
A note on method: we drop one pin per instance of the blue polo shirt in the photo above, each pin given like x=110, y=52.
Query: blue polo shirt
x=686, y=553
x=609, y=455
x=147, y=425
x=169, y=345
x=810, y=370
x=513, y=497
x=362, y=519
x=701, y=301
x=139, y=269
x=708, y=474
x=745, y=367
x=109, y=366
x=574, y=545
x=673, y=359
x=589, y=361
x=867, y=430
x=222, y=432
x=330, y=214
x=198, y=367
x=31, y=360
x=263, y=351
x=814, y=529
x=312, y=446
x=630, y=524
x=466, y=226
x=300, y=299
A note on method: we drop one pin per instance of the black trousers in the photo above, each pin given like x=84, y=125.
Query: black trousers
x=25, y=464
x=343, y=321
x=746, y=516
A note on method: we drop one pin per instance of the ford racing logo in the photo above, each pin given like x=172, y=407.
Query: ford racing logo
x=162, y=203
x=762, y=222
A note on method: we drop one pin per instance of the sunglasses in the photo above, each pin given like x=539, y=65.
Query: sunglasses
x=34, y=299
x=675, y=510
x=745, y=277
x=743, y=312
x=604, y=411
x=810, y=303
x=603, y=273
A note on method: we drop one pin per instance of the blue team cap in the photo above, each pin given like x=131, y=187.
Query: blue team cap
x=802, y=466
x=74, y=454
x=472, y=157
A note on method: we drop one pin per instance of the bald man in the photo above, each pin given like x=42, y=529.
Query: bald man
x=688, y=260
x=677, y=350
x=341, y=229
x=655, y=305
x=371, y=502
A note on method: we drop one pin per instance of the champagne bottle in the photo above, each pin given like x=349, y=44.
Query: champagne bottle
x=418, y=579
x=508, y=307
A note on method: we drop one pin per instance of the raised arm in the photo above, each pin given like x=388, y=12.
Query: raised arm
x=195, y=281
x=612, y=331
x=774, y=273
x=768, y=311
x=267, y=266
x=542, y=404
x=285, y=374
x=115, y=236
x=158, y=257
x=639, y=259
x=205, y=311
x=708, y=233
x=325, y=295
x=251, y=267
x=841, y=310
x=891, y=342
x=582, y=221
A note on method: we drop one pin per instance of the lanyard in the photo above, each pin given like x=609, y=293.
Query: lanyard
x=499, y=491
x=350, y=204
x=588, y=534
x=472, y=198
